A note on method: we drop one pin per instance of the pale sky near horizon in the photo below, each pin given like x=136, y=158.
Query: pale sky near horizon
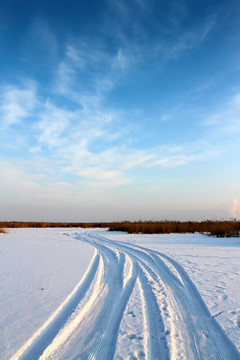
x=124, y=109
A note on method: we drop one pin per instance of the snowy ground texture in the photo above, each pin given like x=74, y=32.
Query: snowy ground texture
x=93, y=294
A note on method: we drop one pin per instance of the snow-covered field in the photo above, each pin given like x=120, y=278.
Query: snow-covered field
x=94, y=294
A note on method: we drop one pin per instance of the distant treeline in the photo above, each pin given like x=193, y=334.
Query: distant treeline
x=212, y=227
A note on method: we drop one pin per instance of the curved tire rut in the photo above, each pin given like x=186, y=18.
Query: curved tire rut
x=87, y=324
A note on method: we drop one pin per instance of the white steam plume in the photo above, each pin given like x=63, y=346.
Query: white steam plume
x=235, y=208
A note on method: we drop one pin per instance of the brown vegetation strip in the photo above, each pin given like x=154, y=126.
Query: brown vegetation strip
x=217, y=228
x=38, y=224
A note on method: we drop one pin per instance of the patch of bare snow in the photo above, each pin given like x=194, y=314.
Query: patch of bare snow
x=39, y=269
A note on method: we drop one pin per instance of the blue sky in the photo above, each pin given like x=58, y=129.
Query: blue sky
x=113, y=110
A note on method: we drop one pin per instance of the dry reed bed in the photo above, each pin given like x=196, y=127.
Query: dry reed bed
x=40, y=224
x=210, y=227
x=217, y=228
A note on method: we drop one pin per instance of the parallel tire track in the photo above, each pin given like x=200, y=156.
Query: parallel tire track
x=87, y=325
x=44, y=336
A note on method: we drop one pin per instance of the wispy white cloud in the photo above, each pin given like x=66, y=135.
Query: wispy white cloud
x=226, y=120
x=65, y=77
x=17, y=180
x=113, y=178
x=175, y=37
x=20, y=183
x=117, y=162
x=83, y=138
x=183, y=159
x=73, y=137
x=236, y=99
x=16, y=103
x=53, y=124
x=74, y=55
x=187, y=40
x=88, y=72
x=42, y=35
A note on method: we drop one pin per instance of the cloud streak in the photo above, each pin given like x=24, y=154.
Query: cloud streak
x=109, y=111
x=226, y=121
x=74, y=138
x=17, y=103
x=53, y=125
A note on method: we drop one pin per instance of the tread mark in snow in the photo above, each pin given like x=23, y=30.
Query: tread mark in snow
x=90, y=330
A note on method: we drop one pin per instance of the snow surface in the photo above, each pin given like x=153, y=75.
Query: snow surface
x=133, y=297
x=31, y=260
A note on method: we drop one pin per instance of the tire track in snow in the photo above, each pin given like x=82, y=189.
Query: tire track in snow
x=156, y=341
x=203, y=338
x=96, y=335
x=89, y=330
x=201, y=335
x=35, y=346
